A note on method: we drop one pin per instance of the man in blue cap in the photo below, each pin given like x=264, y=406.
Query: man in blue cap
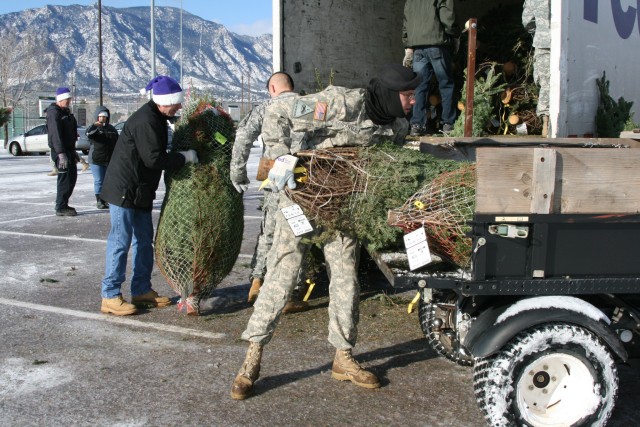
x=129, y=188
x=62, y=131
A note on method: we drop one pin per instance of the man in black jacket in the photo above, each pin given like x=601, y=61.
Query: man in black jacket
x=102, y=137
x=129, y=187
x=62, y=131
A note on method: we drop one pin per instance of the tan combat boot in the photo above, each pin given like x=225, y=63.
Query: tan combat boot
x=295, y=307
x=151, y=298
x=254, y=291
x=243, y=384
x=346, y=368
x=117, y=306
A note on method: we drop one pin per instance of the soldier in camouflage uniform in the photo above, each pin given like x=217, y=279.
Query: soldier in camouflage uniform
x=536, y=16
x=333, y=117
x=280, y=86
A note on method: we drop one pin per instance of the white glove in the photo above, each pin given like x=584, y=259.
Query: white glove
x=63, y=162
x=408, y=58
x=190, y=156
x=240, y=187
x=278, y=181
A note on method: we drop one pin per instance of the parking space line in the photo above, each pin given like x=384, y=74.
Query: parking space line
x=113, y=319
x=74, y=238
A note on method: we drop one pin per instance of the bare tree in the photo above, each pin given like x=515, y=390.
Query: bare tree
x=20, y=64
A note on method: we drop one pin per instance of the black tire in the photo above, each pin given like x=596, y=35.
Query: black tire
x=15, y=149
x=439, y=327
x=554, y=374
x=85, y=152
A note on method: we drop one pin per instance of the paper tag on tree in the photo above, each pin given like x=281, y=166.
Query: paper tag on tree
x=417, y=247
x=297, y=220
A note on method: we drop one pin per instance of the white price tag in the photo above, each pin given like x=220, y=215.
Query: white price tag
x=417, y=247
x=415, y=237
x=297, y=220
x=300, y=225
x=418, y=255
x=292, y=211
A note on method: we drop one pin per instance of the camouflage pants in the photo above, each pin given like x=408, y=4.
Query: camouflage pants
x=341, y=254
x=541, y=75
x=265, y=239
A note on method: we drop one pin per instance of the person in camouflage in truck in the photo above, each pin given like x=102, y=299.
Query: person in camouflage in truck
x=334, y=117
x=536, y=17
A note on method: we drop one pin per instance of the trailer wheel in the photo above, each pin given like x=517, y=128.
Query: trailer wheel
x=438, y=323
x=550, y=375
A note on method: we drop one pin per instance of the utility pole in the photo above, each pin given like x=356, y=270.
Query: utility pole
x=153, y=40
x=100, y=46
x=181, y=79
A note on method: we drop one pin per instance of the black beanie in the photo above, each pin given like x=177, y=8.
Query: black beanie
x=398, y=77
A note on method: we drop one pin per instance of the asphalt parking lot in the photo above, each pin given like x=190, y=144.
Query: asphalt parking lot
x=63, y=363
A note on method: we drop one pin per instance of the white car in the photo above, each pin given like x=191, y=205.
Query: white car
x=35, y=141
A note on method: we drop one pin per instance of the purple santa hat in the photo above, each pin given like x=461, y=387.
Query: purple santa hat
x=165, y=91
x=63, y=93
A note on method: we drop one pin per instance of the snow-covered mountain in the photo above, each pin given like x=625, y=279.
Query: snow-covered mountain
x=214, y=59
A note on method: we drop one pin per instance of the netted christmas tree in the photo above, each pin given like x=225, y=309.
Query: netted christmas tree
x=444, y=207
x=353, y=189
x=202, y=218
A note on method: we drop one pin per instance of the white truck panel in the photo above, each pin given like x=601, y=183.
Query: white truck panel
x=589, y=37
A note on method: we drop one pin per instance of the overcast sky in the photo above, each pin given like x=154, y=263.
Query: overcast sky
x=249, y=17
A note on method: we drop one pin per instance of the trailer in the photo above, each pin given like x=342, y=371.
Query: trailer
x=552, y=298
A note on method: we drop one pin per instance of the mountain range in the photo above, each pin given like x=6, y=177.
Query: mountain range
x=214, y=59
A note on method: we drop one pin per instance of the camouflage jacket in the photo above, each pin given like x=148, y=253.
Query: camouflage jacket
x=536, y=17
x=333, y=117
x=249, y=128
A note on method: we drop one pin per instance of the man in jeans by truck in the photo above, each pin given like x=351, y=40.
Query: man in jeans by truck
x=429, y=29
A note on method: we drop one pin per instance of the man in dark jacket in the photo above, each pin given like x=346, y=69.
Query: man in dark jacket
x=62, y=130
x=102, y=137
x=129, y=187
x=428, y=31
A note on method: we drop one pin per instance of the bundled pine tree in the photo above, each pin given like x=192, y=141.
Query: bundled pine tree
x=202, y=218
x=354, y=188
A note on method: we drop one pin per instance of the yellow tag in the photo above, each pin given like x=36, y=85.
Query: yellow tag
x=302, y=172
x=413, y=302
x=264, y=184
x=220, y=138
x=418, y=204
x=311, y=284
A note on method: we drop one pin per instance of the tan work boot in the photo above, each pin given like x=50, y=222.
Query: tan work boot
x=53, y=172
x=346, y=368
x=151, y=298
x=249, y=372
x=254, y=291
x=117, y=306
x=295, y=307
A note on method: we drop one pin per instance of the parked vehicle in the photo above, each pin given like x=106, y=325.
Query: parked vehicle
x=32, y=141
x=35, y=141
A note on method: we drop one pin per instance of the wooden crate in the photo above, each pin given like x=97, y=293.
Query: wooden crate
x=517, y=180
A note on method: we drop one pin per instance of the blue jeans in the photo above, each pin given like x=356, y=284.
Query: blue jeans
x=128, y=225
x=98, y=172
x=426, y=62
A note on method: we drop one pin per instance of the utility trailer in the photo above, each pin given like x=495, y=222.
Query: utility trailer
x=552, y=297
